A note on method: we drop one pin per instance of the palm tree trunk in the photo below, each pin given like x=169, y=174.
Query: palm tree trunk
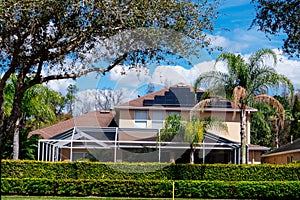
x=276, y=129
x=1, y=155
x=243, y=131
x=172, y=157
x=16, y=143
x=192, y=155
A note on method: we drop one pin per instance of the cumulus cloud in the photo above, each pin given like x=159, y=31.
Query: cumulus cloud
x=170, y=75
x=227, y=44
x=288, y=67
x=60, y=85
x=130, y=76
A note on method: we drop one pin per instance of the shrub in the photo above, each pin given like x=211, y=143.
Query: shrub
x=153, y=171
x=152, y=188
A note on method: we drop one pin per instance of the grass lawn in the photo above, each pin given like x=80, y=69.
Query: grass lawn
x=76, y=198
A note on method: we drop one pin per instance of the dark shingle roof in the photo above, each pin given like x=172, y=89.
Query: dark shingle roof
x=295, y=146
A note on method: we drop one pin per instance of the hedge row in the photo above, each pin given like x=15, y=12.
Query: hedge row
x=153, y=171
x=153, y=188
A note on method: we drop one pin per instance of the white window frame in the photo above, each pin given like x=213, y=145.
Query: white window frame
x=158, y=119
x=140, y=118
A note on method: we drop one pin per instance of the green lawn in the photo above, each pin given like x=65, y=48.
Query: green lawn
x=76, y=198
x=86, y=198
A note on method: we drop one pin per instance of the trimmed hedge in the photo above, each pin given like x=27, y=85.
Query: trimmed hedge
x=152, y=188
x=153, y=171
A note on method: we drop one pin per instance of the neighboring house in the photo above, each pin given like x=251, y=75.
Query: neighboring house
x=131, y=133
x=283, y=155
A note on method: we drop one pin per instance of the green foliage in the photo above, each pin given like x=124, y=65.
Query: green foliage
x=154, y=171
x=171, y=129
x=152, y=188
x=257, y=76
x=41, y=107
x=279, y=16
x=53, y=40
x=27, y=147
x=193, y=132
x=295, y=124
x=115, y=180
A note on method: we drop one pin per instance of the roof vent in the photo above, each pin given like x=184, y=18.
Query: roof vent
x=104, y=111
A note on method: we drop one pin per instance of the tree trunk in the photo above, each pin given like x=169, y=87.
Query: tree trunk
x=2, y=148
x=16, y=142
x=243, y=122
x=192, y=154
x=1, y=155
x=172, y=159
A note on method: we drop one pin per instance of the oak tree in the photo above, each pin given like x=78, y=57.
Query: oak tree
x=49, y=40
x=275, y=17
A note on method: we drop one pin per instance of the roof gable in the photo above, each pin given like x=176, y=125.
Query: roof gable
x=90, y=119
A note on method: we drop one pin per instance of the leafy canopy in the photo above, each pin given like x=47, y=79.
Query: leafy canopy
x=274, y=17
x=43, y=40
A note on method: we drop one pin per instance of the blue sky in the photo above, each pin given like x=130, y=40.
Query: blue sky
x=231, y=32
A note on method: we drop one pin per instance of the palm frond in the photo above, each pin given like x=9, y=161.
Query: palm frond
x=273, y=103
x=260, y=54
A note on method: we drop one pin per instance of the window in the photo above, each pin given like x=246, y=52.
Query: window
x=140, y=119
x=78, y=155
x=157, y=119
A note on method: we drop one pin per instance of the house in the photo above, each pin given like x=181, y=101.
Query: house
x=130, y=132
x=91, y=119
x=283, y=155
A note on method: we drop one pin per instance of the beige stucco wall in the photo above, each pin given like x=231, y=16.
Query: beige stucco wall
x=126, y=120
x=126, y=117
x=254, y=157
x=233, y=125
x=282, y=158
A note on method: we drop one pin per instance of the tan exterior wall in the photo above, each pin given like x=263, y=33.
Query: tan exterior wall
x=282, y=158
x=254, y=157
x=65, y=154
x=126, y=120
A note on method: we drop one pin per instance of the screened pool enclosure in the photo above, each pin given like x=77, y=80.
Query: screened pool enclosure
x=114, y=144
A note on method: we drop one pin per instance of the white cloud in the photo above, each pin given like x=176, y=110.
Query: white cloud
x=60, y=85
x=227, y=44
x=170, y=75
x=288, y=67
x=131, y=77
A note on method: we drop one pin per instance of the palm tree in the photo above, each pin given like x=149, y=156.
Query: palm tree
x=191, y=131
x=38, y=109
x=193, y=134
x=257, y=75
x=239, y=96
x=195, y=129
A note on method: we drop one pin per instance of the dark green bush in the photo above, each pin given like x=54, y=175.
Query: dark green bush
x=153, y=171
x=153, y=188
